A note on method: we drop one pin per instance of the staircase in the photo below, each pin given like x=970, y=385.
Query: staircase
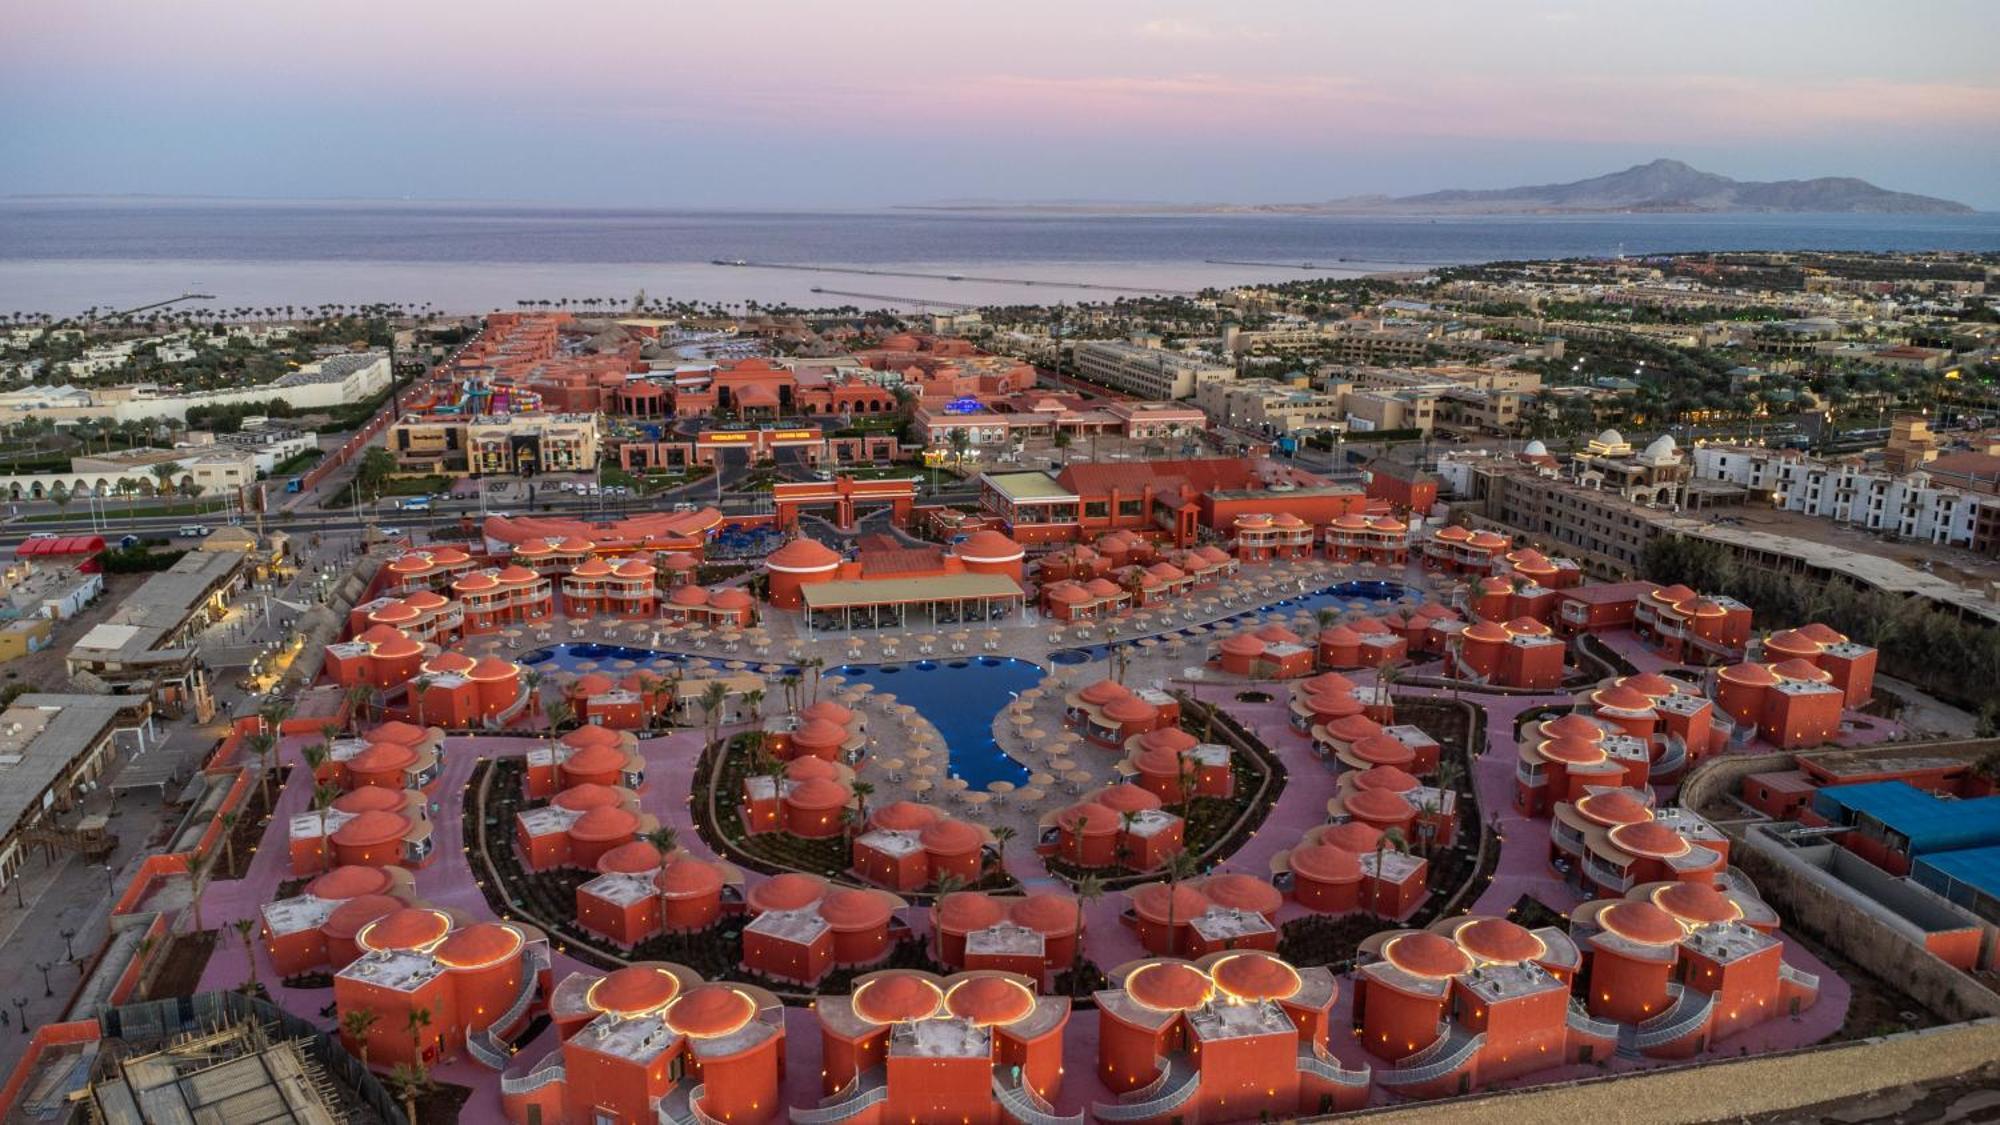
x=870, y=1087
x=1023, y=1104
x=1446, y=1054
x=1179, y=1079
x=485, y=1044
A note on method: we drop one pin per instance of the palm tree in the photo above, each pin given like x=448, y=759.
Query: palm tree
x=243, y=927
x=668, y=840
x=356, y=1022
x=324, y=795
x=1385, y=678
x=1391, y=838
x=410, y=1082
x=814, y=665
x=419, y=687
x=714, y=698
x=416, y=1020
x=1003, y=834
x=262, y=744
x=791, y=686
x=754, y=699
x=862, y=790
x=164, y=473
x=228, y=822
x=359, y=698
x=557, y=712
x=1089, y=888
x=1180, y=865
x=1127, y=821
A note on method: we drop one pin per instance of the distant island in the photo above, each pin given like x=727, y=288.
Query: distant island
x=1658, y=187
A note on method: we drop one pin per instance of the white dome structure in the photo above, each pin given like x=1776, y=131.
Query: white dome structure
x=1662, y=449
x=1609, y=439
x=1535, y=448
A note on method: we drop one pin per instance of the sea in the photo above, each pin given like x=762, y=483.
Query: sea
x=60, y=256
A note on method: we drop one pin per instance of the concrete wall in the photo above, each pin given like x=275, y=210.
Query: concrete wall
x=1729, y=1090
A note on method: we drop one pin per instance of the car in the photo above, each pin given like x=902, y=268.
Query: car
x=44, y=535
x=192, y=531
x=389, y=532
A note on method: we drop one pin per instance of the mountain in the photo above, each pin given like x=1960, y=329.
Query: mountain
x=1663, y=185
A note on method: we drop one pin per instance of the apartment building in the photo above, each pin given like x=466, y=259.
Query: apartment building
x=513, y=444
x=1906, y=505
x=1153, y=373
x=1284, y=407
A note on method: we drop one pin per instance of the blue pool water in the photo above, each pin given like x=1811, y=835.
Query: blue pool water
x=961, y=698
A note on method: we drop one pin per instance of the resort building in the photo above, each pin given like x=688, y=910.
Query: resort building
x=1232, y=1036
x=890, y=584
x=1612, y=840
x=654, y=1042
x=802, y=928
x=56, y=747
x=315, y=929
x=1034, y=936
x=1198, y=917
x=639, y=894
x=1469, y=1002
x=478, y=980
x=368, y=826
x=1146, y=373
x=908, y=847
x=588, y=755
x=1111, y=714
x=1120, y=826
x=1349, y=866
x=146, y=646
x=1521, y=653
x=581, y=824
x=396, y=756
x=1680, y=966
x=906, y=1045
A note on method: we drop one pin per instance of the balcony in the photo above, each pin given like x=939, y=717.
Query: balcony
x=1802, y=979
x=1610, y=878
x=1445, y=1055
x=1178, y=1081
x=1688, y=1014
x=543, y=1073
x=1581, y=1021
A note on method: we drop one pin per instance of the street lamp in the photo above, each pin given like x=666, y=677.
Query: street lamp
x=69, y=946
x=21, y=1012
x=45, y=966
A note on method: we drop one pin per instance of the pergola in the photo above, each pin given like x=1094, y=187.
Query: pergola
x=936, y=600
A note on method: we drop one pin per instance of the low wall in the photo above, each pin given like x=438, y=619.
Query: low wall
x=1728, y=1090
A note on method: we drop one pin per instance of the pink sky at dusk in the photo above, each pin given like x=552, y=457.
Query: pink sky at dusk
x=797, y=103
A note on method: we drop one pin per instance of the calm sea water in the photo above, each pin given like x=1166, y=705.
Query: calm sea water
x=62, y=255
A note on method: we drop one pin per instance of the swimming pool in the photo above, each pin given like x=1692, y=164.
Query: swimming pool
x=961, y=698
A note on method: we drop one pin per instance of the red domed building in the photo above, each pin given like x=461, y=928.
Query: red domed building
x=369, y=826
x=579, y=826
x=990, y=552
x=1612, y=840
x=1233, y=1036
x=478, y=980
x=1129, y=829
x=1034, y=936
x=315, y=929
x=802, y=928
x=976, y=1046
x=639, y=894
x=653, y=1041
x=588, y=755
x=797, y=564
x=911, y=858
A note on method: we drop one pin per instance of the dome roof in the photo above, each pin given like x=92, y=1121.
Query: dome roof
x=687, y=877
x=1498, y=940
x=1642, y=922
x=1749, y=673
x=1255, y=975
x=951, y=837
x=1573, y=725
x=1383, y=750
x=478, y=946
x=351, y=880
x=897, y=997
x=594, y=683
x=819, y=793
x=1618, y=697
x=598, y=759
x=1650, y=684
x=1649, y=838
x=679, y=561
x=606, y=823
x=1127, y=797
x=1339, y=635
x=1287, y=519
x=851, y=908
x=1328, y=683
x=1660, y=448
x=1068, y=592
x=635, y=990
x=1488, y=540
x=1374, y=804
x=382, y=757
x=819, y=732
x=475, y=582
x=1352, y=521
x=1535, y=448
x=962, y=912
x=1277, y=634
x=1103, y=588
x=370, y=798
x=1454, y=533
x=1799, y=668
x=803, y=555
x=1172, y=740
x=1130, y=709
x=1353, y=728
x=371, y=829
x=591, y=568
x=1048, y=913
x=900, y=816
x=829, y=711
x=516, y=576
x=791, y=890
x=635, y=858
x=1525, y=626
x=1353, y=836
x=449, y=663
x=689, y=595
x=730, y=599
x=1487, y=632
x=1610, y=438
x=1102, y=692
x=1168, y=986
x=987, y=1001
x=1425, y=954
x=354, y=915
x=592, y=736
x=410, y=927
x=1159, y=763
x=583, y=798
x=1325, y=863
x=1613, y=808
x=1386, y=777
x=989, y=546
x=1154, y=901
x=1698, y=903
x=1571, y=751
x=494, y=668
x=711, y=1011
x=1243, y=644
x=1088, y=819
x=1238, y=891
x=805, y=769
x=1823, y=633
x=397, y=647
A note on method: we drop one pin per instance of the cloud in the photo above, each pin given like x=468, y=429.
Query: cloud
x=1175, y=29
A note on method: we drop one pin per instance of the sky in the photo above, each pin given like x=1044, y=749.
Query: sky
x=801, y=103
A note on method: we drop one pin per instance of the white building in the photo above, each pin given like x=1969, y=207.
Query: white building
x=1153, y=373
x=335, y=381
x=1906, y=506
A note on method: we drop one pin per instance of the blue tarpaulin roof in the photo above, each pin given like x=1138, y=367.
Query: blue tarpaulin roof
x=1930, y=822
x=1953, y=874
